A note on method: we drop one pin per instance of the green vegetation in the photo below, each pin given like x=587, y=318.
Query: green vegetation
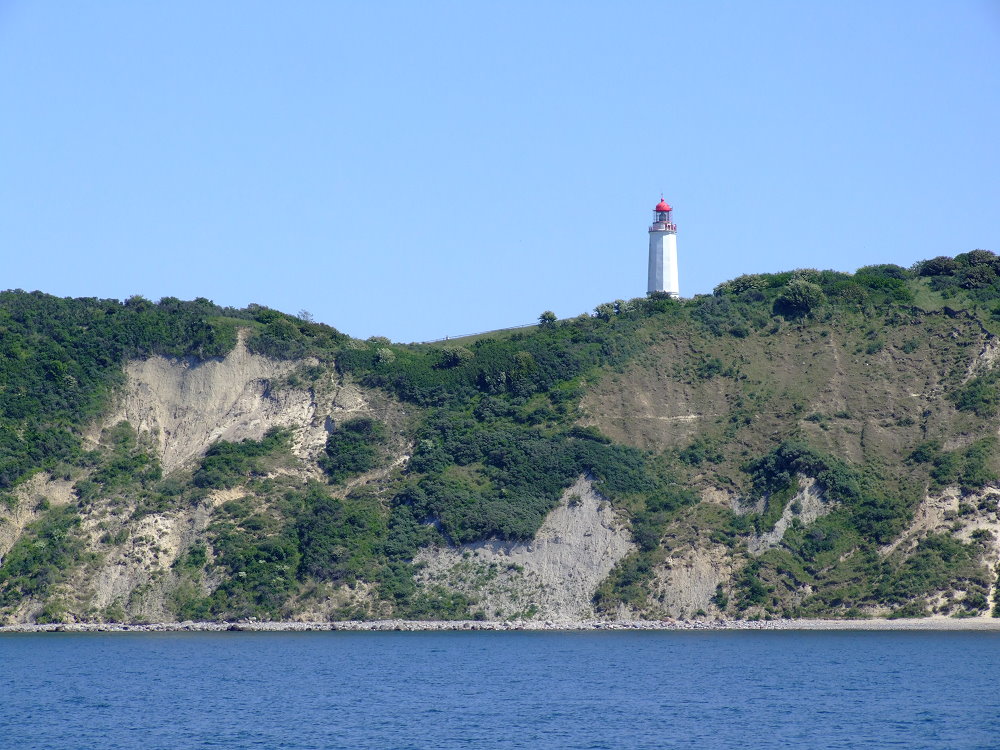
x=353, y=447
x=227, y=464
x=42, y=557
x=799, y=298
x=513, y=475
x=60, y=359
x=125, y=467
x=878, y=510
x=981, y=395
x=938, y=561
x=837, y=556
x=971, y=468
x=494, y=437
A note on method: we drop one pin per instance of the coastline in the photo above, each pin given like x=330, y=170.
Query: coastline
x=256, y=626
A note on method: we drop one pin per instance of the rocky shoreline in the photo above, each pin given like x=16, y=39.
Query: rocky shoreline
x=257, y=626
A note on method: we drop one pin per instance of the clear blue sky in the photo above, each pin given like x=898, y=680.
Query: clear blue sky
x=422, y=169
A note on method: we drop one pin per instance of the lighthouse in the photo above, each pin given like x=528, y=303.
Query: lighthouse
x=663, y=251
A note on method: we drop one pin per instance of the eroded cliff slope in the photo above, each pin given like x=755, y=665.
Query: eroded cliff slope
x=801, y=444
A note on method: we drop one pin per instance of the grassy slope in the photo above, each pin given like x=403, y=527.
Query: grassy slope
x=864, y=387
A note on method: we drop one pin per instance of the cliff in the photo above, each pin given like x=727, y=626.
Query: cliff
x=807, y=444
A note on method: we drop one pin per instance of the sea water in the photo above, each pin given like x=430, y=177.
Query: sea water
x=500, y=690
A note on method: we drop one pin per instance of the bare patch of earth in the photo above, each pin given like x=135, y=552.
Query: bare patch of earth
x=553, y=576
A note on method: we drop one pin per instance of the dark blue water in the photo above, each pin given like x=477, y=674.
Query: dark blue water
x=500, y=690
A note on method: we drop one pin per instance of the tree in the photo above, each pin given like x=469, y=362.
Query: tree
x=980, y=257
x=605, y=311
x=942, y=265
x=740, y=284
x=353, y=447
x=977, y=276
x=455, y=356
x=799, y=298
x=547, y=318
x=889, y=270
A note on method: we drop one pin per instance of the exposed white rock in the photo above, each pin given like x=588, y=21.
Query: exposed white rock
x=718, y=496
x=687, y=579
x=807, y=505
x=188, y=405
x=951, y=512
x=27, y=496
x=986, y=359
x=553, y=576
x=135, y=574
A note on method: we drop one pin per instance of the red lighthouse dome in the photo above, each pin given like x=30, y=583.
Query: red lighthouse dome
x=663, y=206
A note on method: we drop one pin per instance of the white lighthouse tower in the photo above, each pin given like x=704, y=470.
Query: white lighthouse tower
x=663, y=252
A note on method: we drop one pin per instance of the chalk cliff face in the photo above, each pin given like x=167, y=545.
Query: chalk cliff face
x=186, y=406
x=552, y=577
x=651, y=461
x=183, y=407
x=179, y=407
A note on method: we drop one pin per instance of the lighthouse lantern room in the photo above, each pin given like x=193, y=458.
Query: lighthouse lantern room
x=663, y=251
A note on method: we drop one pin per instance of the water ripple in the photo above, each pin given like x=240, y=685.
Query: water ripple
x=498, y=690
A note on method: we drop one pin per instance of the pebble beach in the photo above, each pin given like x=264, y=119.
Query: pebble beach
x=257, y=626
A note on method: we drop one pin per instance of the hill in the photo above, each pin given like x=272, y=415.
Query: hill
x=804, y=444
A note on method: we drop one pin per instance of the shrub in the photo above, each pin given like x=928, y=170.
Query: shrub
x=339, y=539
x=874, y=346
x=700, y=451
x=748, y=587
x=605, y=311
x=942, y=265
x=740, y=284
x=888, y=270
x=977, y=258
x=875, y=511
x=925, y=453
x=42, y=556
x=455, y=356
x=228, y=464
x=353, y=447
x=938, y=560
x=981, y=395
x=970, y=468
x=977, y=276
x=892, y=287
x=799, y=298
